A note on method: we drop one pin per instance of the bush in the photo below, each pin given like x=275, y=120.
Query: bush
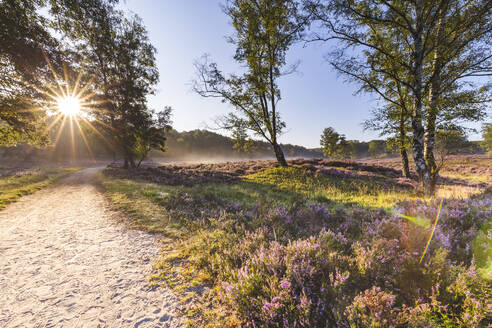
x=327, y=281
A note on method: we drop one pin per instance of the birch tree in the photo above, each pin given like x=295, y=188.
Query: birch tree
x=429, y=48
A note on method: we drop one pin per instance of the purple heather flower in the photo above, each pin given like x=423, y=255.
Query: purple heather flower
x=285, y=284
x=267, y=306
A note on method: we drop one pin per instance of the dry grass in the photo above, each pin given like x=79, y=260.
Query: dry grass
x=15, y=183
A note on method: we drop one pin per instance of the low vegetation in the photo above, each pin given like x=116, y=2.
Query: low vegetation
x=316, y=244
x=18, y=182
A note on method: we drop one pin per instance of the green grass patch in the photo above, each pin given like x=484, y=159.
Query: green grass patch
x=13, y=187
x=359, y=191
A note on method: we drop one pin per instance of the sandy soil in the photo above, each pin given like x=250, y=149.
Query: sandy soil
x=66, y=262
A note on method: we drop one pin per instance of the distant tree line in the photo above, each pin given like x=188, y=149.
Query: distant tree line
x=448, y=142
x=208, y=145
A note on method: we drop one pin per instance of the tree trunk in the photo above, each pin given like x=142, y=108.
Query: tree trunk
x=279, y=154
x=418, y=155
x=430, y=160
x=132, y=161
x=405, y=168
x=418, y=129
x=129, y=160
x=430, y=124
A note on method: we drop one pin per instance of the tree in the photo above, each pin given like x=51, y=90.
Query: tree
x=487, y=136
x=333, y=144
x=135, y=74
x=116, y=51
x=400, y=144
x=242, y=142
x=376, y=148
x=348, y=149
x=424, y=49
x=393, y=121
x=264, y=32
x=25, y=48
x=451, y=142
x=153, y=134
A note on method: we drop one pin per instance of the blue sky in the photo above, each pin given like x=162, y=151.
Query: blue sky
x=314, y=98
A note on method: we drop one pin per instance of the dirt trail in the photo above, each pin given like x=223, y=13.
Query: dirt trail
x=65, y=262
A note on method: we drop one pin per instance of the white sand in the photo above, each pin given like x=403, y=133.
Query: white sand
x=65, y=262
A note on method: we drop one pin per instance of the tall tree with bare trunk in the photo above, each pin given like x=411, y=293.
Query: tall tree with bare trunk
x=264, y=32
x=429, y=48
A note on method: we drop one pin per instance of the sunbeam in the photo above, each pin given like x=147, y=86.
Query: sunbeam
x=69, y=100
x=82, y=135
x=69, y=106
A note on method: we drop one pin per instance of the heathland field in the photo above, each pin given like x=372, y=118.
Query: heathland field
x=318, y=243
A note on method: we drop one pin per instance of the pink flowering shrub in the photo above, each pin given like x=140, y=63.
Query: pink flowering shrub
x=307, y=265
x=301, y=284
x=373, y=308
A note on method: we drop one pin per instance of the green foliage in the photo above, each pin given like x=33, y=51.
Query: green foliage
x=376, y=148
x=25, y=46
x=334, y=144
x=242, y=143
x=152, y=135
x=449, y=142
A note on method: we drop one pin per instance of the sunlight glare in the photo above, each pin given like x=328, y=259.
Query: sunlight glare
x=69, y=106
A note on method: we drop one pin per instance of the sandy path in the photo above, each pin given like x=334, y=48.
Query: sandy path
x=64, y=262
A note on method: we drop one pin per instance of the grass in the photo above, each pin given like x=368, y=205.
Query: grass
x=276, y=186
x=358, y=191
x=141, y=201
x=206, y=222
x=14, y=186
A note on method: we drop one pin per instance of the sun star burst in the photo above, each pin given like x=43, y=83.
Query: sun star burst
x=69, y=106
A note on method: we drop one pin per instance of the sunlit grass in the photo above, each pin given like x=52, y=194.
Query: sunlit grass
x=483, y=177
x=457, y=191
x=142, y=202
x=361, y=191
x=14, y=186
x=194, y=255
x=482, y=250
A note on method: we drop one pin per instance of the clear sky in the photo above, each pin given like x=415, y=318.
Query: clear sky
x=314, y=98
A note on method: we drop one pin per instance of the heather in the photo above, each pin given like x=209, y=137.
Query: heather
x=316, y=244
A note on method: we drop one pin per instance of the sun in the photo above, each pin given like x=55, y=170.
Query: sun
x=68, y=106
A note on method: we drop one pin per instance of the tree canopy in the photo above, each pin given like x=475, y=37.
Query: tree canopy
x=415, y=55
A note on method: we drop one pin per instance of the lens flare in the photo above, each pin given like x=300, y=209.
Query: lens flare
x=433, y=230
x=69, y=106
